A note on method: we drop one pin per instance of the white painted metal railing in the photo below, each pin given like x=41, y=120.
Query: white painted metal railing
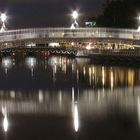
x=62, y=33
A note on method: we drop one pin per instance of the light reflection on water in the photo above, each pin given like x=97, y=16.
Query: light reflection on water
x=68, y=87
x=61, y=101
x=92, y=75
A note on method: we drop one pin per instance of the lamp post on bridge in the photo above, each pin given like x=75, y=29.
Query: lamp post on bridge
x=74, y=16
x=3, y=18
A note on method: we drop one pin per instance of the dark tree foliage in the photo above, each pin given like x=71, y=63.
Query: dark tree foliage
x=93, y=19
x=120, y=14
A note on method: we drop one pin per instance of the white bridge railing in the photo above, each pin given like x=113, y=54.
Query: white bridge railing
x=65, y=33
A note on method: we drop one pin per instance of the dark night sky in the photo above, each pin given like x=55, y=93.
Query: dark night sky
x=47, y=13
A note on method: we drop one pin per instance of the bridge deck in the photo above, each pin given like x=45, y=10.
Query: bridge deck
x=68, y=34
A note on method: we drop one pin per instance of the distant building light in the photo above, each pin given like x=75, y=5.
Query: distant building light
x=31, y=45
x=88, y=47
x=53, y=44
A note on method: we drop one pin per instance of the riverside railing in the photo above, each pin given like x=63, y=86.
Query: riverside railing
x=62, y=33
x=117, y=52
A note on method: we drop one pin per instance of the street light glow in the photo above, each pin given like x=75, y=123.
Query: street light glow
x=31, y=62
x=6, y=62
x=88, y=47
x=75, y=15
x=3, y=17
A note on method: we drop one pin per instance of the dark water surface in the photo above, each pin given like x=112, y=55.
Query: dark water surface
x=68, y=99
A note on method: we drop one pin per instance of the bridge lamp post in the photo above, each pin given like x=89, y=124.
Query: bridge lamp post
x=74, y=16
x=3, y=18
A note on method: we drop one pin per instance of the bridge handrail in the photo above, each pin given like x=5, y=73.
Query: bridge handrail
x=31, y=33
x=68, y=29
x=121, y=52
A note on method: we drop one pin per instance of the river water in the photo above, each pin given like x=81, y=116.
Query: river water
x=68, y=98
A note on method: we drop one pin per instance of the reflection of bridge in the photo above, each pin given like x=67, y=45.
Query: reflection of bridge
x=61, y=35
x=61, y=102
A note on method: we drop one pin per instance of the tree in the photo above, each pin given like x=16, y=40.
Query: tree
x=119, y=14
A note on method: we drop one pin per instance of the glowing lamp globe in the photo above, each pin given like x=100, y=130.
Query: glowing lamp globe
x=3, y=17
x=75, y=14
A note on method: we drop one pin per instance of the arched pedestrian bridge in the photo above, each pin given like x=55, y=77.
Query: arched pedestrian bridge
x=22, y=37
x=73, y=41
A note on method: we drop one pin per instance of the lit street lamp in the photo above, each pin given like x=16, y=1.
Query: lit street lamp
x=74, y=16
x=3, y=18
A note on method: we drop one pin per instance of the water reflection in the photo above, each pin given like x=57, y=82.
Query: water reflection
x=31, y=63
x=138, y=104
x=40, y=96
x=111, y=79
x=6, y=63
x=84, y=93
x=98, y=76
x=90, y=106
x=5, y=119
x=76, y=117
x=60, y=101
x=103, y=76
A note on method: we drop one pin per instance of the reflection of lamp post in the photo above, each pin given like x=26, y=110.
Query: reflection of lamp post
x=5, y=123
x=75, y=111
x=74, y=16
x=6, y=64
x=5, y=120
x=31, y=63
x=3, y=19
x=76, y=118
